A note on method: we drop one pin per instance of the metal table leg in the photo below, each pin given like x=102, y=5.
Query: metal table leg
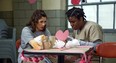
x=60, y=58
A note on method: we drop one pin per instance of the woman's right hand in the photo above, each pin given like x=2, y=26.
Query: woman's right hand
x=35, y=45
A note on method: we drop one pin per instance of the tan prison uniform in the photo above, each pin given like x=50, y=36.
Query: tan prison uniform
x=90, y=32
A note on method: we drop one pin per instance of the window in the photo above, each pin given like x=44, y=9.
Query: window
x=115, y=15
x=106, y=16
x=108, y=0
x=103, y=12
x=92, y=1
x=93, y=15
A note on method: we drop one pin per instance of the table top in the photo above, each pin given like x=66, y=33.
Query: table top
x=78, y=49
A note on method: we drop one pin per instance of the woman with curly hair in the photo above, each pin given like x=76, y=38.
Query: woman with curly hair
x=32, y=33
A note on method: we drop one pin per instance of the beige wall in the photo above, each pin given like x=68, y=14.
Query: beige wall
x=63, y=4
x=5, y=5
x=53, y=4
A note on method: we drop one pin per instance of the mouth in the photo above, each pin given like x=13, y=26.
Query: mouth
x=74, y=28
x=42, y=28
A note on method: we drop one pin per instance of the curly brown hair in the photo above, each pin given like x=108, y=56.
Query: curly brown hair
x=37, y=14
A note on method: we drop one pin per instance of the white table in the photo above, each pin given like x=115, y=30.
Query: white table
x=79, y=50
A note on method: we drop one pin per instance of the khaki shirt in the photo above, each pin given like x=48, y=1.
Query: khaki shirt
x=90, y=32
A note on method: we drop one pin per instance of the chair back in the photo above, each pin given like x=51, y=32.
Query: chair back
x=107, y=50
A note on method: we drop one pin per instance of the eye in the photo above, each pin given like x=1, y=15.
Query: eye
x=72, y=22
x=45, y=21
x=40, y=21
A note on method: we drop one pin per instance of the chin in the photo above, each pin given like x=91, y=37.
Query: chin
x=75, y=29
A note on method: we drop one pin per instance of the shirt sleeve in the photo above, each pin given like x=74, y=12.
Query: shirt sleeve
x=26, y=36
x=95, y=33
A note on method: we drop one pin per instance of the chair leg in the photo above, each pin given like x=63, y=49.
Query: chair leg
x=101, y=60
x=4, y=60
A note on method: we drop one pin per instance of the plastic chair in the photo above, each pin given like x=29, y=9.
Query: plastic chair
x=7, y=44
x=106, y=50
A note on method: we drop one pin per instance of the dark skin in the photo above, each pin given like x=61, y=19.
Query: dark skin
x=77, y=24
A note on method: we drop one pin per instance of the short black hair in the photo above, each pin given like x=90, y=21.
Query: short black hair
x=77, y=12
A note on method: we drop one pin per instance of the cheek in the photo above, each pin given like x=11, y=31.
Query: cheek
x=71, y=24
x=38, y=25
x=76, y=25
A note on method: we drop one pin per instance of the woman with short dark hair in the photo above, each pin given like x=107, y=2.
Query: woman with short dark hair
x=87, y=33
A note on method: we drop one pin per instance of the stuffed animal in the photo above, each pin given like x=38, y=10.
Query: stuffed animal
x=59, y=44
x=43, y=42
x=62, y=40
x=72, y=43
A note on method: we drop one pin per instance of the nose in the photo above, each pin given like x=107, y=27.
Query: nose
x=43, y=24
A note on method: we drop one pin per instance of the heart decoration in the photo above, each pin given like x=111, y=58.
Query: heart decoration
x=62, y=36
x=32, y=1
x=75, y=2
